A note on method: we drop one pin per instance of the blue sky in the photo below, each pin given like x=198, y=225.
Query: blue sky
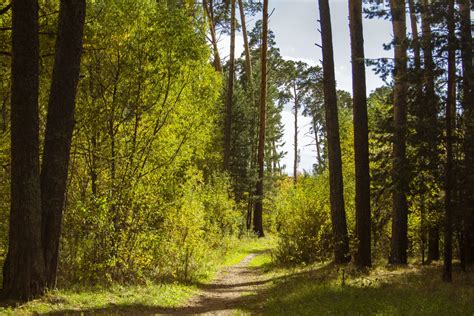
x=295, y=25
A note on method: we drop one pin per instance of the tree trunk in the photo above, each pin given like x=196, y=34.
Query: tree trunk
x=295, y=162
x=399, y=242
x=338, y=214
x=449, y=179
x=212, y=30
x=316, y=140
x=257, y=216
x=59, y=127
x=468, y=103
x=230, y=93
x=361, y=135
x=428, y=118
x=415, y=38
x=24, y=270
x=248, y=58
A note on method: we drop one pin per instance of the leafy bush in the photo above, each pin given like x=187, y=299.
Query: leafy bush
x=302, y=222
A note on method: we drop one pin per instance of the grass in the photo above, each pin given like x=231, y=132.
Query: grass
x=151, y=298
x=120, y=298
x=248, y=245
x=320, y=290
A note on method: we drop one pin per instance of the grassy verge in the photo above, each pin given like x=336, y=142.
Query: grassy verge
x=326, y=289
x=118, y=298
x=151, y=298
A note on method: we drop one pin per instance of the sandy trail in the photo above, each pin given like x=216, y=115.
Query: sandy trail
x=229, y=293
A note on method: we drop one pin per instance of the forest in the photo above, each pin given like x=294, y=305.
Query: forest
x=144, y=163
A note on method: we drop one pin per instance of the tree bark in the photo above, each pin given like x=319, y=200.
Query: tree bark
x=468, y=103
x=24, y=270
x=361, y=136
x=428, y=119
x=212, y=30
x=295, y=162
x=338, y=214
x=399, y=242
x=449, y=179
x=248, y=58
x=317, y=144
x=230, y=92
x=415, y=38
x=258, y=210
x=59, y=128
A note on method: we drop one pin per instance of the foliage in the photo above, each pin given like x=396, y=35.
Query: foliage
x=302, y=211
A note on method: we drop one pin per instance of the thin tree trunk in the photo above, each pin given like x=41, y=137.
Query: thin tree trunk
x=295, y=162
x=316, y=140
x=230, y=93
x=248, y=58
x=212, y=30
x=361, y=136
x=449, y=179
x=428, y=118
x=416, y=40
x=59, y=127
x=417, y=104
x=338, y=213
x=24, y=270
x=258, y=210
x=399, y=242
x=468, y=103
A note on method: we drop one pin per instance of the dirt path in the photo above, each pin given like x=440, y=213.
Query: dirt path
x=229, y=293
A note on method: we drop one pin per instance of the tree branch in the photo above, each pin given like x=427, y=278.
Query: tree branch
x=6, y=9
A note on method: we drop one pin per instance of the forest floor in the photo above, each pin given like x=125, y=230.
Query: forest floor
x=250, y=283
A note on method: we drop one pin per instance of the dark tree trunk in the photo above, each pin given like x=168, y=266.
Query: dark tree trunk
x=338, y=213
x=449, y=179
x=230, y=93
x=361, y=136
x=23, y=271
x=468, y=103
x=295, y=162
x=417, y=104
x=428, y=120
x=59, y=127
x=415, y=38
x=399, y=243
x=258, y=210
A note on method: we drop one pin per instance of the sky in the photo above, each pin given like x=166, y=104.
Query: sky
x=295, y=24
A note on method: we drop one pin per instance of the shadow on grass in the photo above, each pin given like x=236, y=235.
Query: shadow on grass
x=319, y=291
x=398, y=291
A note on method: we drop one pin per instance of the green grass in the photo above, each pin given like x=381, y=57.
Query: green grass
x=151, y=298
x=319, y=290
x=245, y=246
x=145, y=298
